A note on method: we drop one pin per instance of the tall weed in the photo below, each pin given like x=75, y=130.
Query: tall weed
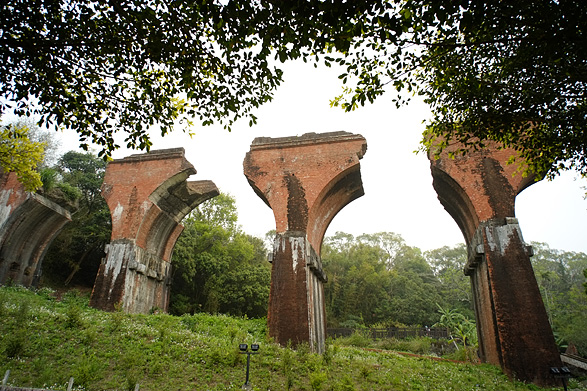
x=317, y=380
x=359, y=338
x=3, y=303
x=116, y=318
x=15, y=343
x=73, y=316
x=417, y=345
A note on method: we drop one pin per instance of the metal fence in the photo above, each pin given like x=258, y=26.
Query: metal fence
x=392, y=332
x=5, y=387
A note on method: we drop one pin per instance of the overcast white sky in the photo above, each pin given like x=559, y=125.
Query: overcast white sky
x=399, y=196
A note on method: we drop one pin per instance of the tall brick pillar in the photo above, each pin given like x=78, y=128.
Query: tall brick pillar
x=306, y=180
x=148, y=196
x=28, y=224
x=478, y=190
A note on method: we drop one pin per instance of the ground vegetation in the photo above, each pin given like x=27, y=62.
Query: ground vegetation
x=45, y=341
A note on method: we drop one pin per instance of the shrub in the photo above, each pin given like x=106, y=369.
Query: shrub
x=359, y=338
x=70, y=192
x=46, y=293
x=418, y=345
x=345, y=384
x=352, y=322
x=317, y=380
x=86, y=371
x=14, y=344
x=330, y=351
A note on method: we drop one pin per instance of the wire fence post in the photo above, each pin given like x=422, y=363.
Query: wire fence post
x=5, y=380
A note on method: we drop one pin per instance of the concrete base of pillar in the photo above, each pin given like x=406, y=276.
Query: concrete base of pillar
x=512, y=323
x=133, y=278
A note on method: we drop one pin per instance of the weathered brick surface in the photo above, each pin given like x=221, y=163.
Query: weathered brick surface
x=306, y=181
x=28, y=224
x=478, y=186
x=479, y=192
x=148, y=196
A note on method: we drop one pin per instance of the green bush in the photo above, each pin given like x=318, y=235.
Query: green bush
x=344, y=384
x=317, y=380
x=417, y=345
x=359, y=338
x=14, y=344
x=46, y=293
x=87, y=371
x=71, y=193
x=352, y=322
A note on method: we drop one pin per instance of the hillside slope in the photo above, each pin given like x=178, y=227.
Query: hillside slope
x=43, y=342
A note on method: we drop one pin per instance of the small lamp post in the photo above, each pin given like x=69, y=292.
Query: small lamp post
x=244, y=350
x=562, y=373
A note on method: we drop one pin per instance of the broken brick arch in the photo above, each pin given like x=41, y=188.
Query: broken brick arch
x=28, y=224
x=340, y=191
x=148, y=195
x=478, y=190
x=306, y=181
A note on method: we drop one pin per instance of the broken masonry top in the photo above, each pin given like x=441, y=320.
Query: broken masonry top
x=156, y=154
x=307, y=139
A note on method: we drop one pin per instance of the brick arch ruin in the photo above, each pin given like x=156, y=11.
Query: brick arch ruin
x=148, y=195
x=478, y=190
x=306, y=181
x=28, y=224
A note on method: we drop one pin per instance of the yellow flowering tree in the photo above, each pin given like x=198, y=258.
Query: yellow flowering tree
x=20, y=154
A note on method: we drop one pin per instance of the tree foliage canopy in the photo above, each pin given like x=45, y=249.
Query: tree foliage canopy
x=515, y=73
x=122, y=66
x=379, y=279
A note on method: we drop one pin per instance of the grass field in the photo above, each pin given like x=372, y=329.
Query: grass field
x=45, y=341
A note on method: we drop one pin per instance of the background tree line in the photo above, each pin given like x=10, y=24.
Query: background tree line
x=379, y=280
